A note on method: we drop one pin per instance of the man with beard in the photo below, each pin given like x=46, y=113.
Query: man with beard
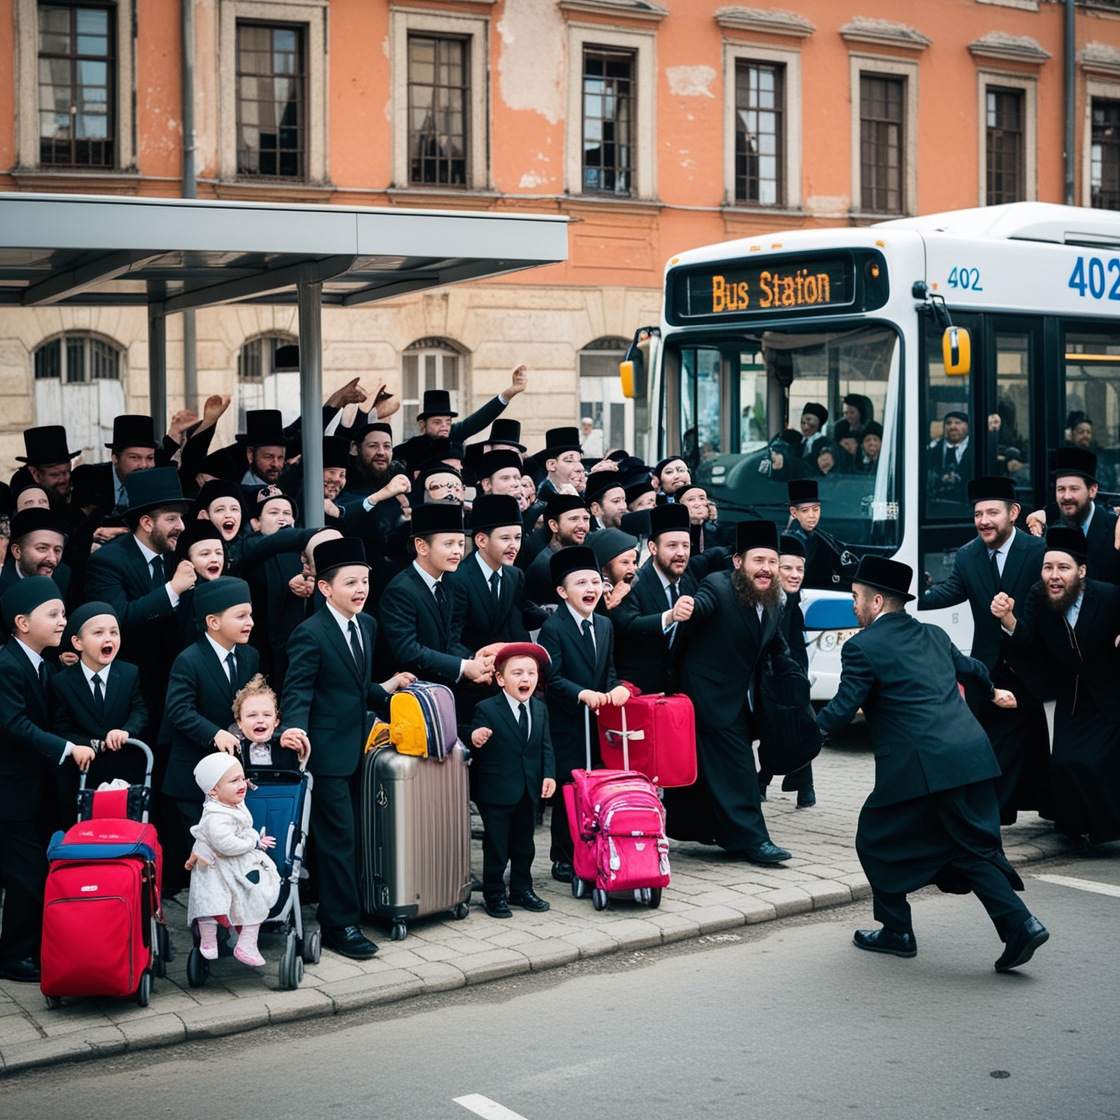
x=1001, y=558
x=336, y=458
x=1067, y=630
x=372, y=454
x=48, y=464
x=1073, y=471
x=932, y=816
x=265, y=445
x=646, y=621
x=733, y=628
x=37, y=540
x=606, y=498
x=568, y=522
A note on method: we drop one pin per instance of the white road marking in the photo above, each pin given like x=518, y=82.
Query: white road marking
x=1081, y=884
x=484, y=1106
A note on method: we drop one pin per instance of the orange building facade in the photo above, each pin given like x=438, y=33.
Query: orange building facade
x=654, y=126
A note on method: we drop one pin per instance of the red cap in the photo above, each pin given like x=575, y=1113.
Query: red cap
x=523, y=649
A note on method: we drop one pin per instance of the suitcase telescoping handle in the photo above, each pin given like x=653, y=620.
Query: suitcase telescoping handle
x=99, y=745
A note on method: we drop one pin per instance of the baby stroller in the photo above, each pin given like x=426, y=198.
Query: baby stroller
x=280, y=801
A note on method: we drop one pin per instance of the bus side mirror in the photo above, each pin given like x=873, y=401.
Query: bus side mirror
x=628, y=374
x=956, y=350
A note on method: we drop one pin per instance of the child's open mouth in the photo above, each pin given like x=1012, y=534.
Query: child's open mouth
x=525, y=689
x=107, y=650
x=213, y=569
x=228, y=526
x=260, y=730
x=590, y=599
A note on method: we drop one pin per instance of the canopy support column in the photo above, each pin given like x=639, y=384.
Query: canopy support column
x=157, y=367
x=310, y=292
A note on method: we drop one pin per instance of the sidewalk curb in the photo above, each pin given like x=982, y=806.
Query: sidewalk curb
x=241, y=1015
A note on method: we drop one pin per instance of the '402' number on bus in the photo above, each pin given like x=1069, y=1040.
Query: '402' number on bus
x=1091, y=277
x=967, y=278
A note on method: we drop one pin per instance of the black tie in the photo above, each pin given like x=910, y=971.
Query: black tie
x=157, y=572
x=523, y=721
x=355, y=644
x=995, y=572
x=43, y=675
x=438, y=592
x=98, y=696
x=674, y=594
x=495, y=588
x=231, y=667
x=588, y=640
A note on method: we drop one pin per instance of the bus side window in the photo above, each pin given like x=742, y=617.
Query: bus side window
x=949, y=454
x=1010, y=424
x=1092, y=400
x=700, y=405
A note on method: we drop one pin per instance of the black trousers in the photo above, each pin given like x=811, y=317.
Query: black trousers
x=728, y=776
x=333, y=832
x=508, y=839
x=23, y=871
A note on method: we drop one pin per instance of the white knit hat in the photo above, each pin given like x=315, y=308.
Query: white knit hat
x=210, y=771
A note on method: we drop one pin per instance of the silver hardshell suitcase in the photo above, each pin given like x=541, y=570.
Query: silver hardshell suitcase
x=415, y=836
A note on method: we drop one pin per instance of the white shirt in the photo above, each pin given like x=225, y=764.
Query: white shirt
x=120, y=494
x=430, y=582
x=102, y=673
x=1001, y=553
x=515, y=706
x=957, y=449
x=36, y=660
x=580, y=620
x=344, y=623
x=1089, y=518
x=486, y=570
x=222, y=653
x=149, y=556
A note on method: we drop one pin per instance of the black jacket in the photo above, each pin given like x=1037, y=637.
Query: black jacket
x=538, y=579
x=904, y=674
x=417, y=633
x=74, y=716
x=792, y=626
x=643, y=653
x=327, y=695
x=508, y=766
x=479, y=624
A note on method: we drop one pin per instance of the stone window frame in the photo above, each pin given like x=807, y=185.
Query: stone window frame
x=643, y=44
x=311, y=16
x=27, y=92
x=1028, y=84
x=734, y=51
x=476, y=31
x=1107, y=90
x=861, y=63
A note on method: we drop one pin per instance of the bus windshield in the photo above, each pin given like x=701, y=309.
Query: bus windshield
x=754, y=411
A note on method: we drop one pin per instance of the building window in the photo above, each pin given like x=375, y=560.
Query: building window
x=1004, y=111
x=759, y=109
x=608, y=120
x=882, y=171
x=271, y=102
x=438, y=100
x=1105, y=157
x=268, y=376
x=76, y=86
x=430, y=363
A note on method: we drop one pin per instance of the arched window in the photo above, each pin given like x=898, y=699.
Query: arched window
x=268, y=376
x=430, y=363
x=601, y=399
x=78, y=383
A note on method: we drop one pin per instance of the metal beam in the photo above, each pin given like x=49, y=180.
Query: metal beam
x=311, y=392
x=157, y=367
x=453, y=274
x=61, y=285
x=247, y=287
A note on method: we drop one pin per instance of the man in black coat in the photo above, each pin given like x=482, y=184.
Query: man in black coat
x=1000, y=558
x=1065, y=631
x=733, y=626
x=133, y=448
x=327, y=693
x=35, y=617
x=35, y=548
x=646, y=620
x=932, y=816
x=568, y=522
x=949, y=461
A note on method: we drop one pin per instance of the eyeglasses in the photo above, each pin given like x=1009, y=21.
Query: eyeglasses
x=450, y=487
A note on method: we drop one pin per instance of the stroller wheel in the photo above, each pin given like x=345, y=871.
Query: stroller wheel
x=197, y=969
x=654, y=897
x=144, y=992
x=398, y=932
x=313, y=947
x=159, y=967
x=461, y=911
x=579, y=887
x=291, y=965
x=165, y=950
x=599, y=898
x=54, y=1002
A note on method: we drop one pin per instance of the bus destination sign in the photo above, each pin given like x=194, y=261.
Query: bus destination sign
x=732, y=289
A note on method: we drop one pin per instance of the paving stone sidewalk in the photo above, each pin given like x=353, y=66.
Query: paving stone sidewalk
x=710, y=893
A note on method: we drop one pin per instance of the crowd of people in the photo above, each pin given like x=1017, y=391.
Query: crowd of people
x=170, y=594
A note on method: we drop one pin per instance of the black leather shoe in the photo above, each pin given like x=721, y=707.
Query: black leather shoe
x=562, y=872
x=496, y=906
x=528, y=900
x=25, y=971
x=348, y=941
x=886, y=941
x=806, y=798
x=1022, y=944
x=765, y=853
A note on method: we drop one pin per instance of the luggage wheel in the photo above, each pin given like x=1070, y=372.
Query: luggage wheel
x=579, y=887
x=144, y=992
x=654, y=900
x=291, y=964
x=312, y=949
x=399, y=931
x=599, y=898
x=54, y=1002
x=198, y=969
x=461, y=911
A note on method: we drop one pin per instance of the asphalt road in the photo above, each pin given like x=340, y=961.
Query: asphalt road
x=785, y=1020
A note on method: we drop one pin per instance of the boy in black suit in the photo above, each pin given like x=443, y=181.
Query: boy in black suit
x=327, y=692
x=99, y=698
x=581, y=676
x=516, y=768
x=34, y=612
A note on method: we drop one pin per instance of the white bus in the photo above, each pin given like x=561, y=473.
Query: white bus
x=753, y=330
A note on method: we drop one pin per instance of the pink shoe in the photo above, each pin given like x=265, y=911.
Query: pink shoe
x=248, y=954
x=208, y=940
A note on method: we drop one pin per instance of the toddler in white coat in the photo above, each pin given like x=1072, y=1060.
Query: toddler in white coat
x=233, y=877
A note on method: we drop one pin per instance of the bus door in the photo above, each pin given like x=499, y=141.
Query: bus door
x=1089, y=413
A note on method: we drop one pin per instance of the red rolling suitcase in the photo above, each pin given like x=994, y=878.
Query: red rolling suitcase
x=660, y=731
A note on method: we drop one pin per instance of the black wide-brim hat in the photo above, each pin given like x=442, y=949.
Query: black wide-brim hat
x=491, y=462
x=46, y=446
x=1067, y=461
x=802, y=490
x=436, y=517
x=755, y=533
x=133, y=431
x=155, y=488
x=264, y=427
x=559, y=440
x=669, y=518
x=437, y=402
x=600, y=482
x=1071, y=541
x=885, y=575
x=339, y=552
x=35, y=519
x=991, y=489
x=507, y=433
x=493, y=511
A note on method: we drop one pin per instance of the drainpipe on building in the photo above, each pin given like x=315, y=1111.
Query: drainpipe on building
x=190, y=190
x=1070, y=62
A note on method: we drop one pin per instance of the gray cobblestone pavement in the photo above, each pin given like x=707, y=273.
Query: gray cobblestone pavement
x=709, y=894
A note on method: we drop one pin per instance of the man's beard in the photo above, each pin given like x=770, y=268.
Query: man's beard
x=753, y=596
x=1079, y=516
x=1067, y=597
x=38, y=567
x=378, y=476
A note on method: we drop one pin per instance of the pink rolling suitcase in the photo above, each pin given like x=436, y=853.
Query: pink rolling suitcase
x=618, y=833
x=658, y=731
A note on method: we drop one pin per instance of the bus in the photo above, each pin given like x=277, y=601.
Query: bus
x=976, y=339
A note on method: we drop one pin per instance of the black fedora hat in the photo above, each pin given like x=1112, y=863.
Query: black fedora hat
x=152, y=489
x=559, y=440
x=507, y=433
x=789, y=545
x=599, y=483
x=46, y=446
x=492, y=511
x=885, y=575
x=669, y=518
x=755, y=533
x=339, y=552
x=436, y=517
x=336, y=452
x=437, y=402
x=264, y=427
x=1068, y=461
x=802, y=490
x=1063, y=539
x=133, y=431
x=991, y=489
x=494, y=461
x=35, y=518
